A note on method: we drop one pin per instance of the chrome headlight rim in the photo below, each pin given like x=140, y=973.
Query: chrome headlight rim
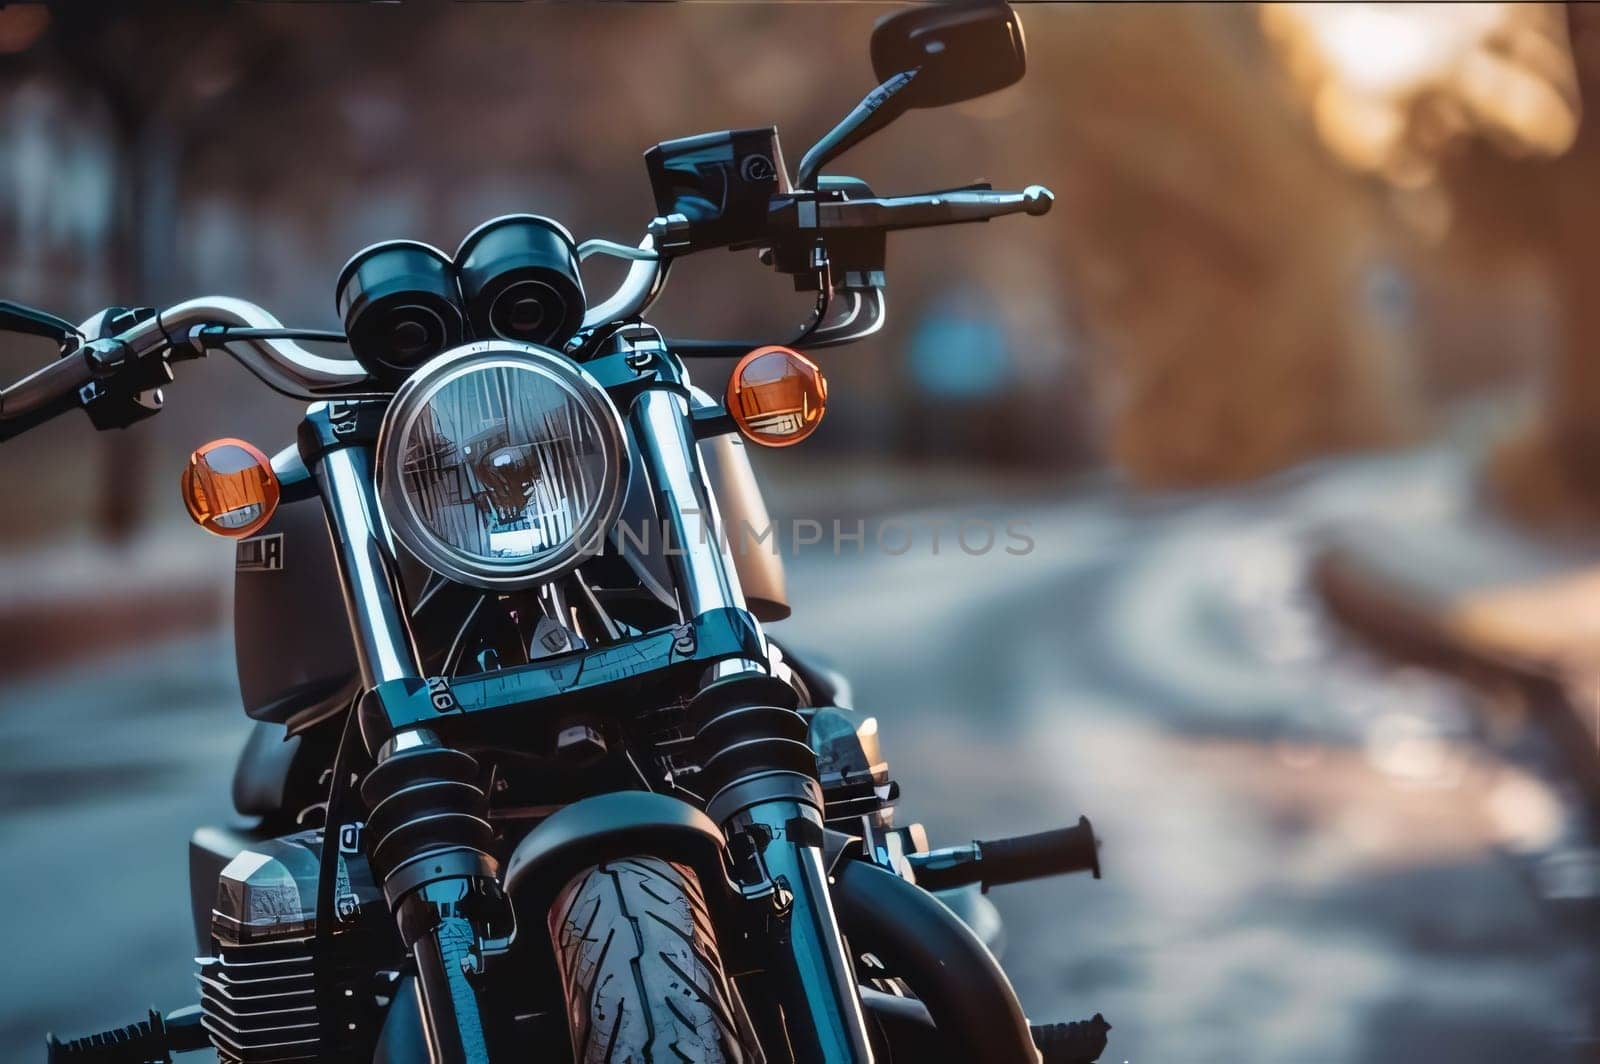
x=413, y=397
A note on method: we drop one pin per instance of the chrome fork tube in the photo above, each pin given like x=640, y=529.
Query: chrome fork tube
x=704, y=579
x=384, y=647
x=418, y=778
x=771, y=810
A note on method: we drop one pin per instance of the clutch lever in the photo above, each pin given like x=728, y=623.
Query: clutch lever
x=30, y=321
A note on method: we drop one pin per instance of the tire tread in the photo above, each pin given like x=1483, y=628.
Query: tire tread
x=639, y=964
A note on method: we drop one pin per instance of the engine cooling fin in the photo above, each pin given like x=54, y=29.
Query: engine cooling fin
x=259, y=1003
x=263, y=999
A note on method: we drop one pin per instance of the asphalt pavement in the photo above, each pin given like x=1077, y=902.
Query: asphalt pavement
x=1310, y=855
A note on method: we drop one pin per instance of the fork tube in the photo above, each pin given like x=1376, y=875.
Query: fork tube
x=704, y=579
x=378, y=625
x=418, y=779
x=768, y=803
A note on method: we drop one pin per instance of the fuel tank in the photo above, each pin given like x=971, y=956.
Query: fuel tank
x=291, y=637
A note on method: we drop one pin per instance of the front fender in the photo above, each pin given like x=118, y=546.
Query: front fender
x=607, y=827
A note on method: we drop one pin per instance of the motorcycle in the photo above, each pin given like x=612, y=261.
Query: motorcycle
x=530, y=779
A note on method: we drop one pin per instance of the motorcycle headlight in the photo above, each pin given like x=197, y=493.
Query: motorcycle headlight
x=501, y=464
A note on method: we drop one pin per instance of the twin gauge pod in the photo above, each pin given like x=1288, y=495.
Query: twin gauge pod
x=515, y=277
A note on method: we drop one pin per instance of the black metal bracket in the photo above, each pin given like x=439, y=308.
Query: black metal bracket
x=711, y=421
x=336, y=423
x=609, y=675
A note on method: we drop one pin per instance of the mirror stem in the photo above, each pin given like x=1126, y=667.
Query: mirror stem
x=880, y=107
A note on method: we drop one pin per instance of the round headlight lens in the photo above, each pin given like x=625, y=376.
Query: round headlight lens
x=501, y=464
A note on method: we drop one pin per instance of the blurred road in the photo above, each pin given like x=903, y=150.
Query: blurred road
x=1309, y=856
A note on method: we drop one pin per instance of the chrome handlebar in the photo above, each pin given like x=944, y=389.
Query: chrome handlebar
x=281, y=363
x=290, y=368
x=45, y=385
x=637, y=291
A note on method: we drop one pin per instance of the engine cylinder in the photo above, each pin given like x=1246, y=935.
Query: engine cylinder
x=259, y=988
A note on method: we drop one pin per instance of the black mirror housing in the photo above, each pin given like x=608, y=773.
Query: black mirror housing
x=960, y=50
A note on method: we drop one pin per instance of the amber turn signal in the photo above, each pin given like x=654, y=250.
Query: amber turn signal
x=229, y=488
x=776, y=396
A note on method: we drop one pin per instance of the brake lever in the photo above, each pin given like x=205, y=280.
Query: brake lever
x=931, y=209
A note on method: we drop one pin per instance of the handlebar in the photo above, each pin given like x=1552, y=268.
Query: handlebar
x=283, y=364
x=289, y=368
x=280, y=363
x=44, y=386
x=641, y=285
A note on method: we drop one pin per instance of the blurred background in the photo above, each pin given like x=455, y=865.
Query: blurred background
x=1295, y=391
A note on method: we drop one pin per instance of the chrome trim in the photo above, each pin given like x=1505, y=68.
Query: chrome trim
x=638, y=289
x=840, y=333
x=728, y=668
x=45, y=384
x=411, y=739
x=289, y=467
x=597, y=246
x=832, y=1000
x=281, y=363
x=384, y=647
x=704, y=578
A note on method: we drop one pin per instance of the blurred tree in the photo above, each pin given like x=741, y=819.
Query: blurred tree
x=1392, y=87
x=152, y=106
x=1474, y=111
x=1217, y=257
x=1552, y=472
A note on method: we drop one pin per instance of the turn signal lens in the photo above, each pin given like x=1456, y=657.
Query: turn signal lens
x=229, y=488
x=776, y=396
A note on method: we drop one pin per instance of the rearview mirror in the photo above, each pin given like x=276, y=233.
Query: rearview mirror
x=927, y=57
x=959, y=50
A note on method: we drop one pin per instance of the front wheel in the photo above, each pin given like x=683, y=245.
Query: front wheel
x=640, y=968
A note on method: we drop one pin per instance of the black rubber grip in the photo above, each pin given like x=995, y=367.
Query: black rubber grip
x=144, y=1042
x=1049, y=853
x=1080, y=1042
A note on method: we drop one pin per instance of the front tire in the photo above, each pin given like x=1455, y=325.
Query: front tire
x=640, y=967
